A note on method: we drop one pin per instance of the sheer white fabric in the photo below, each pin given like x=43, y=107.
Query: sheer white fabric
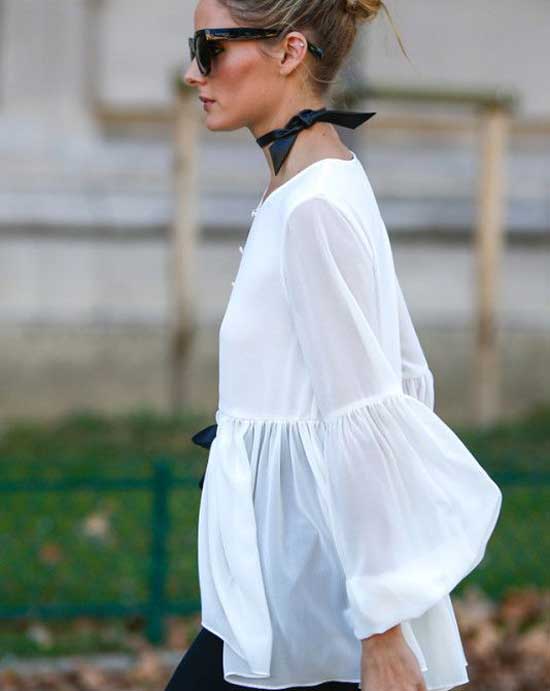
x=336, y=503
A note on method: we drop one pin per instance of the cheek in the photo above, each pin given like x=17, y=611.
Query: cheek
x=241, y=72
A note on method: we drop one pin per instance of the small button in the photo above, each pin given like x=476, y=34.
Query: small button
x=232, y=283
x=253, y=212
x=241, y=249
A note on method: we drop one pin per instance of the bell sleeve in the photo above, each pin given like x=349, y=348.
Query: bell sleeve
x=410, y=508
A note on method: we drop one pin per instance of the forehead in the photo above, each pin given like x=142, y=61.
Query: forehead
x=211, y=14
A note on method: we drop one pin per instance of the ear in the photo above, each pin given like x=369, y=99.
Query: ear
x=293, y=51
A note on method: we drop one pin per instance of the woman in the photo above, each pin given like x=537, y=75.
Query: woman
x=338, y=510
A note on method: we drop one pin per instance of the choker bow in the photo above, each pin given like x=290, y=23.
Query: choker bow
x=285, y=137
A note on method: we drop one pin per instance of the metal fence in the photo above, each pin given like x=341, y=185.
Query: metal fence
x=123, y=546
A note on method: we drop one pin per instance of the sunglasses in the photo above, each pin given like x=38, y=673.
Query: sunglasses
x=202, y=45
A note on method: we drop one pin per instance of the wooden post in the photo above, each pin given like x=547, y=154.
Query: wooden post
x=488, y=252
x=183, y=241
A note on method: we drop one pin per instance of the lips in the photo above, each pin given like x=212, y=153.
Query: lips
x=206, y=100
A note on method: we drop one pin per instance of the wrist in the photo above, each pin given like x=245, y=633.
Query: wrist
x=384, y=637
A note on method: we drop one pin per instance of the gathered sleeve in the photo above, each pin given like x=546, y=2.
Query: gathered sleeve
x=410, y=508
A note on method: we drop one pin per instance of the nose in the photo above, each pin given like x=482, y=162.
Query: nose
x=192, y=75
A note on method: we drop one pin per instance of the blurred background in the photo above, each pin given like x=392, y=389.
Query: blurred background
x=121, y=223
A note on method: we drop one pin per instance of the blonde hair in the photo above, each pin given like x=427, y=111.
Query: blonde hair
x=330, y=24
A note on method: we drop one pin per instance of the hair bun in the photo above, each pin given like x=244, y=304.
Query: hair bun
x=363, y=10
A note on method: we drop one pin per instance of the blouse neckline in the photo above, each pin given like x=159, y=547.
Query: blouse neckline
x=301, y=173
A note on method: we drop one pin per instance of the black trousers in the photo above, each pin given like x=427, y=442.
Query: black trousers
x=201, y=669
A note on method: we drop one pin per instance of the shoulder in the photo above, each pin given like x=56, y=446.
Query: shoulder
x=318, y=204
x=343, y=183
x=320, y=229
x=322, y=218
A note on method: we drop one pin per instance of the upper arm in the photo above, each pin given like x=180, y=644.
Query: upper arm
x=331, y=287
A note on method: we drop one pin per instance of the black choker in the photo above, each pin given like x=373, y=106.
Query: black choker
x=286, y=136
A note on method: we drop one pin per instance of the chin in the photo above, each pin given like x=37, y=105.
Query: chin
x=217, y=124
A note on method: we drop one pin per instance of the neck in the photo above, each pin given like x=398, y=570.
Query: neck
x=279, y=118
x=318, y=141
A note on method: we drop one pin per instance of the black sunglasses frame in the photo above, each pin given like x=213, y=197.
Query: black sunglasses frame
x=202, y=45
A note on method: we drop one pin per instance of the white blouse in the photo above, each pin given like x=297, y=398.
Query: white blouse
x=336, y=503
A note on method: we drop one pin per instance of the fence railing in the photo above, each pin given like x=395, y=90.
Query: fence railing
x=526, y=498
x=157, y=605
